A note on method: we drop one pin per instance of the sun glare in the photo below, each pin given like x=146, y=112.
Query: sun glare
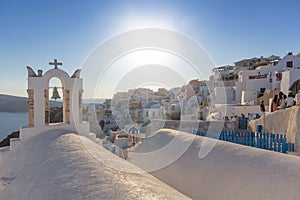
x=136, y=22
x=136, y=70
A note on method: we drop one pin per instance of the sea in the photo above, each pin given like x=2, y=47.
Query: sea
x=11, y=121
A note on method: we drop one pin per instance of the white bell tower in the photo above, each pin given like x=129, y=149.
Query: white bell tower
x=39, y=105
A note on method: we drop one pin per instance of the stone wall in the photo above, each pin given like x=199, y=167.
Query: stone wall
x=190, y=126
x=281, y=122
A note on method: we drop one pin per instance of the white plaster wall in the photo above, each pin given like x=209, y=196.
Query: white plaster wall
x=39, y=105
x=229, y=171
x=74, y=101
x=285, y=82
x=253, y=109
x=275, y=84
x=242, y=83
x=253, y=85
x=221, y=95
x=256, y=84
x=238, y=92
x=288, y=78
x=224, y=94
x=248, y=96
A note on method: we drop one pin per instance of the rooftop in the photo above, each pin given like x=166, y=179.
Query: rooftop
x=64, y=165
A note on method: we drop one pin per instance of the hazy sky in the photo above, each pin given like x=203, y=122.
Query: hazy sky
x=34, y=32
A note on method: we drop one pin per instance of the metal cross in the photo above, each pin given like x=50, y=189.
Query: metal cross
x=55, y=63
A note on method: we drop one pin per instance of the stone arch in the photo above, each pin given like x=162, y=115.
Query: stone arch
x=63, y=77
x=54, y=82
x=57, y=73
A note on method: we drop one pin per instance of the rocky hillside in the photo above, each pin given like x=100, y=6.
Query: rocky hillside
x=10, y=103
x=56, y=114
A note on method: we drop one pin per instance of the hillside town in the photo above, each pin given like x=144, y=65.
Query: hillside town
x=245, y=90
x=131, y=99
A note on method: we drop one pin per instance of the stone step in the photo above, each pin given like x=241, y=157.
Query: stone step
x=14, y=143
x=4, y=151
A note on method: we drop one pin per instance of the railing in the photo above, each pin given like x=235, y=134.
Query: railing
x=258, y=76
x=268, y=141
x=242, y=123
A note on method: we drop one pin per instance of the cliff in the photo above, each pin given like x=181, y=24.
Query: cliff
x=9, y=103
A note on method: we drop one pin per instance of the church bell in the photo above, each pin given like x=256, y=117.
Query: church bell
x=55, y=94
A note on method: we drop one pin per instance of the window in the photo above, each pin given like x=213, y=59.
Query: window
x=262, y=90
x=278, y=76
x=289, y=64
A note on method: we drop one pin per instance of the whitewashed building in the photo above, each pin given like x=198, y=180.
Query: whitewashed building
x=244, y=85
x=249, y=79
x=153, y=110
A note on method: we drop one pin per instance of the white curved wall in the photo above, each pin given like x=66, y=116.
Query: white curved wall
x=229, y=171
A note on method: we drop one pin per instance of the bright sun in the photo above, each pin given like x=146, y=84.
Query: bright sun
x=132, y=22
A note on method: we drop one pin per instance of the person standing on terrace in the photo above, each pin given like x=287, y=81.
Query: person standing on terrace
x=274, y=104
x=297, y=98
x=290, y=101
x=262, y=106
x=282, y=103
x=280, y=97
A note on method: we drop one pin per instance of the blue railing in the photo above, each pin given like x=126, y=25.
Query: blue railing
x=243, y=123
x=268, y=141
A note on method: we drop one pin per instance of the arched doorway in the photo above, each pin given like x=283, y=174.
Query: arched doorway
x=295, y=87
x=132, y=135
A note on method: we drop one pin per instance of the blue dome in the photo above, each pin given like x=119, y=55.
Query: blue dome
x=152, y=104
x=146, y=123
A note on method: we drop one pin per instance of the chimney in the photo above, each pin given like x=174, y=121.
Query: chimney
x=40, y=73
